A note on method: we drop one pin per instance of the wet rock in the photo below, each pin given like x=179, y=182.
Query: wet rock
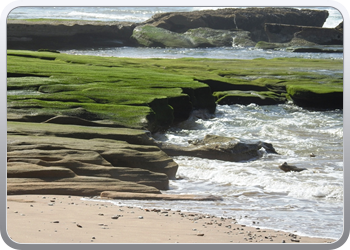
x=219, y=148
x=289, y=168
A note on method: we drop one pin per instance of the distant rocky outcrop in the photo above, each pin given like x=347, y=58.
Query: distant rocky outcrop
x=248, y=19
x=206, y=28
x=62, y=34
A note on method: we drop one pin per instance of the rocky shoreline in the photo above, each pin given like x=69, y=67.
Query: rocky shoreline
x=81, y=125
x=207, y=28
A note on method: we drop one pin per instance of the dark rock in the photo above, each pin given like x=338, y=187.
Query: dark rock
x=322, y=36
x=280, y=33
x=218, y=148
x=283, y=33
x=340, y=27
x=60, y=34
x=320, y=97
x=316, y=49
x=288, y=168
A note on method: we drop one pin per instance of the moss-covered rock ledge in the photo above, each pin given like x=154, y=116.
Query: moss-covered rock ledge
x=155, y=94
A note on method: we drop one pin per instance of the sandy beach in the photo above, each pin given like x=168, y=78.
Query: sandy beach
x=69, y=219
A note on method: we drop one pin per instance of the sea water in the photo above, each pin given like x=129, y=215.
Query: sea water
x=254, y=192
x=257, y=192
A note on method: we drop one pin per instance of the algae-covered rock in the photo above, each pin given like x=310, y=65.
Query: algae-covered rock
x=269, y=45
x=316, y=96
x=206, y=37
x=100, y=91
x=150, y=36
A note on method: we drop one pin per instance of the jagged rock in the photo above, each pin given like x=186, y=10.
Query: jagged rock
x=219, y=148
x=288, y=168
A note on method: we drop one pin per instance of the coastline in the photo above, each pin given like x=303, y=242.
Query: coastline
x=69, y=219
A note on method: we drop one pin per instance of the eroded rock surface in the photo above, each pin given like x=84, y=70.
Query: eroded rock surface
x=41, y=157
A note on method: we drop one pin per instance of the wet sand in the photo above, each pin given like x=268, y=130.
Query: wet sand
x=68, y=219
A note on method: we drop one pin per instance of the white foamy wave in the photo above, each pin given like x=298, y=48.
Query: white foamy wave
x=109, y=17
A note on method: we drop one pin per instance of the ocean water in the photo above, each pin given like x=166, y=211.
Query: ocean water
x=256, y=192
